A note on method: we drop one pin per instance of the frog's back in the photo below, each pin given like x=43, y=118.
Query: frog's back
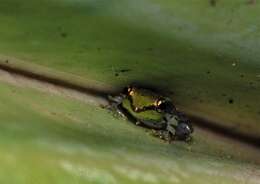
x=143, y=97
x=149, y=118
x=140, y=98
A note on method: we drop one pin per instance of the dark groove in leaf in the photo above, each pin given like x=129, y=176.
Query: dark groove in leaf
x=55, y=81
x=226, y=131
x=200, y=122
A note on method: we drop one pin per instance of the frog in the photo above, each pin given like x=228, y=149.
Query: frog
x=152, y=110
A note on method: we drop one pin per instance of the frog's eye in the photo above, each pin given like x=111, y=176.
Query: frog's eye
x=159, y=102
x=128, y=90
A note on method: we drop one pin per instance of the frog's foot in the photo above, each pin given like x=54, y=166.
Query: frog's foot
x=189, y=140
x=164, y=135
x=114, y=105
x=115, y=100
x=138, y=123
x=119, y=113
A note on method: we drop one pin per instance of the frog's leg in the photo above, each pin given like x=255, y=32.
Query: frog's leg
x=164, y=130
x=114, y=104
x=163, y=134
x=172, y=123
x=116, y=100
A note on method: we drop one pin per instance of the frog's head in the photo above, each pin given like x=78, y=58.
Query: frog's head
x=184, y=129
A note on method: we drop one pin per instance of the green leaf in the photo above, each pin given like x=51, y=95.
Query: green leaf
x=204, y=55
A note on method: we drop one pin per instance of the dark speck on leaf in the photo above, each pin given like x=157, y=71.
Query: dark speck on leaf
x=99, y=49
x=125, y=70
x=208, y=72
x=224, y=94
x=229, y=21
x=213, y=2
x=64, y=35
x=230, y=101
x=150, y=49
x=252, y=2
x=121, y=71
x=241, y=75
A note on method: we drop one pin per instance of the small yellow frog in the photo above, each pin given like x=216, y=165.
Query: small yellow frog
x=154, y=111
